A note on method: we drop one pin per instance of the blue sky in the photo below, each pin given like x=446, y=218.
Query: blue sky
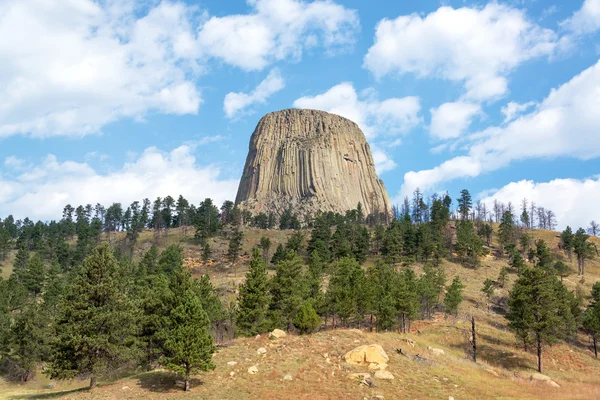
x=119, y=100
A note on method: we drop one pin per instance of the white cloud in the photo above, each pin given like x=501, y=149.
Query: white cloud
x=389, y=117
x=564, y=124
x=586, y=19
x=383, y=162
x=70, y=67
x=450, y=120
x=575, y=202
x=45, y=189
x=277, y=30
x=477, y=46
x=514, y=109
x=236, y=102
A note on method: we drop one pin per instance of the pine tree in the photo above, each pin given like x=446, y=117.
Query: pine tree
x=591, y=318
x=566, y=238
x=453, y=296
x=506, y=231
x=253, y=300
x=206, y=252
x=35, y=275
x=430, y=287
x=279, y=255
x=537, y=310
x=28, y=341
x=21, y=262
x=170, y=260
x=235, y=246
x=582, y=249
x=465, y=204
x=265, y=245
x=288, y=291
x=468, y=245
x=189, y=347
x=344, y=288
x=488, y=288
x=502, y=276
x=307, y=320
x=96, y=322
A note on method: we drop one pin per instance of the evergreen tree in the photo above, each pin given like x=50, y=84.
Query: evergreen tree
x=96, y=322
x=189, y=347
x=537, y=310
x=507, y=232
x=468, y=245
x=206, y=252
x=407, y=297
x=253, y=300
x=149, y=263
x=21, y=262
x=344, y=288
x=170, y=260
x=502, y=276
x=28, y=341
x=4, y=242
x=465, y=203
x=582, y=249
x=566, y=239
x=307, y=320
x=430, y=287
x=265, y=245
x=488, y=288
x=453, y=296
x=288, y=291
x=279, y=255
x=35, y=275
x=294, y=242
x=591, y=317
x=235, y=246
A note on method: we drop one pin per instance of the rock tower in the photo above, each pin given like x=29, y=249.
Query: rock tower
x=310, y=160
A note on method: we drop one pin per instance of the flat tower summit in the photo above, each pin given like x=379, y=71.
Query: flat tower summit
x=310, y=161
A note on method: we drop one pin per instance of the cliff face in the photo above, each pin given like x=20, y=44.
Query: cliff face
x=310, y=160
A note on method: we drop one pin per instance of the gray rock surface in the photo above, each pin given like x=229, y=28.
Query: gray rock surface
x=310, y=160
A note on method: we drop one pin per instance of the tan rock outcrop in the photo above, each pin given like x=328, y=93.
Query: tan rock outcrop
x=367, y=354
x=310, y=161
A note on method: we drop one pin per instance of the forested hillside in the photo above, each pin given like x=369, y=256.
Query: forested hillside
x=108, y=292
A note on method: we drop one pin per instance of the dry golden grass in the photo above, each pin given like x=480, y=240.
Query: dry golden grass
x=502, y=371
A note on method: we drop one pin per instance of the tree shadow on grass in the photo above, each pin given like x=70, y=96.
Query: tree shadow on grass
x=51, y=395
x=509, y=360
x=164, y=382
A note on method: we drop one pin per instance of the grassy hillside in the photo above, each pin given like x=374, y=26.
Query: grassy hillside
x=316, y=361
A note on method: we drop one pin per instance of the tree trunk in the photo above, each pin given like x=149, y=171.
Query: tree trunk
x=595, y=346
x=371, y=323
x=186, y=384
x=539, y=354
x=92, y=382
x=474, y=343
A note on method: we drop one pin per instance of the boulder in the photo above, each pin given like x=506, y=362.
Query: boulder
x=261, y=350
x=288, y=377
x=375, y=367
x=359, y=375
x=253, y=370
x=434, y=351
x=386, y=375
x=231, y=363
x=277, y=334
x=540, y=377
x=367, y=354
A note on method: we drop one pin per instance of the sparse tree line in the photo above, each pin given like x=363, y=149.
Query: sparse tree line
x=83, y=308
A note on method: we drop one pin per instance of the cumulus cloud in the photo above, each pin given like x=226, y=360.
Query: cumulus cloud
x=277, y=30
x=237, y=102
x=514, y=109
x=70, y=67
x=476, y=46
x=586, y=19
x=564, y=124
x=450, y=120
x=42, y=191
x=389, y=117
x=574, y=201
